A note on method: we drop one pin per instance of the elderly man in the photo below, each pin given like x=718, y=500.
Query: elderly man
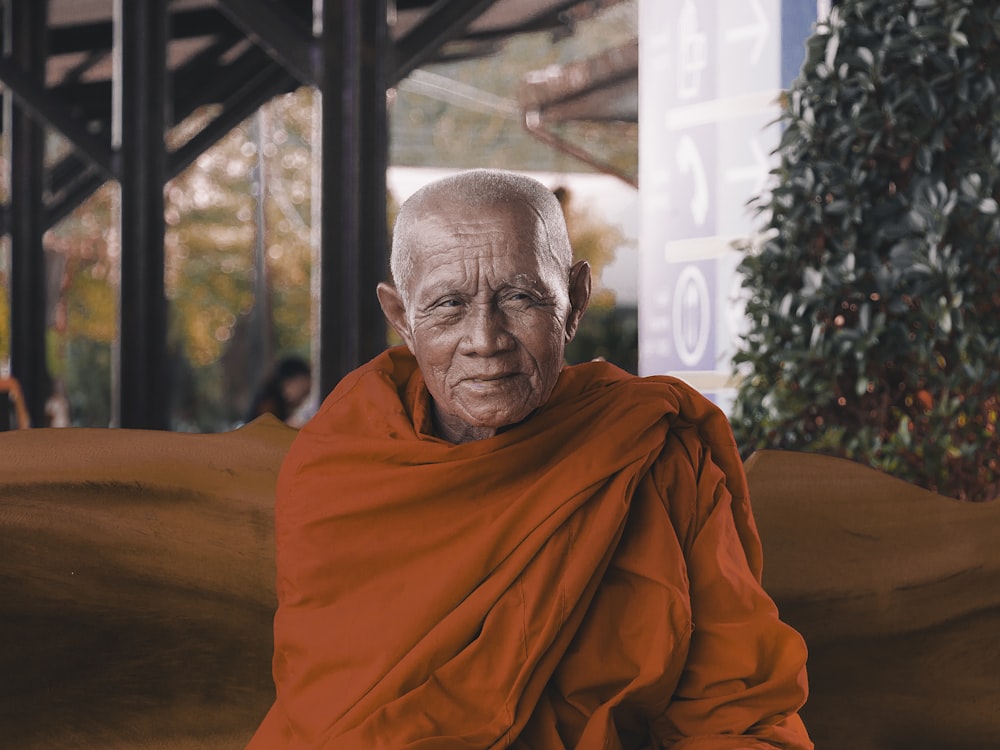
x=478, y=547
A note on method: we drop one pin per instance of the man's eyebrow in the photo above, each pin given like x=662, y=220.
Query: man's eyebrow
x=528, y=280
x=436, y=291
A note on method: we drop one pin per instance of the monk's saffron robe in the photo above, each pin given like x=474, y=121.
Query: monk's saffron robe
x=586, y=579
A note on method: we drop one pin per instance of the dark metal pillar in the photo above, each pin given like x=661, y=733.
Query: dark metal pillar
x=143, y=366
x=354, y=52
x=26, y=24
x=374, y=265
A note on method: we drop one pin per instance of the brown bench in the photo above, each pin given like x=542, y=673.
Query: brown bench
x=137, y=593
x=136, y=586
x=897, y=592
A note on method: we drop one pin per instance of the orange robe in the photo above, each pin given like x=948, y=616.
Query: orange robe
x=587, y=579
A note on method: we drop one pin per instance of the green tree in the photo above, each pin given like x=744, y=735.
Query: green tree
x=874, y=291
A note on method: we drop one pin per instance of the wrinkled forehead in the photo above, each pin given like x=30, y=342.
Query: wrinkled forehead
x=509, y=226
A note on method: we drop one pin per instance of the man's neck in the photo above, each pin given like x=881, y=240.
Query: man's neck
x=455, y=430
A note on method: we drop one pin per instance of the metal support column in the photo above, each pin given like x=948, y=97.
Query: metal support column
x=354, y=50
x=143, y=366
x=374, y=262
x=29, y=309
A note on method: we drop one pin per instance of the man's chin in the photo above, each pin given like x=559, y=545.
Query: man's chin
x=487, y=422
x=499, y=422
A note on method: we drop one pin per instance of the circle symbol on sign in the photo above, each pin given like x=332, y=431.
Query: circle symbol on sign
x=692, y=315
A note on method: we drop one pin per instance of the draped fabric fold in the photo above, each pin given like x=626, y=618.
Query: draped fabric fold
x=555, y=586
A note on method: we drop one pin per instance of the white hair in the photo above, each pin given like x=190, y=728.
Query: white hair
x=474, y=189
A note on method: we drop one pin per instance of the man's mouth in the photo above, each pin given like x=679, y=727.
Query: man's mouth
x=495, y=377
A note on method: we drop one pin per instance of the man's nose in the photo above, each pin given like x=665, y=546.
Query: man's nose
x=487, y=331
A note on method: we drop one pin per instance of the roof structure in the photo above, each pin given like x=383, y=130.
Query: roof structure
x=118, y=78
x=604, y=88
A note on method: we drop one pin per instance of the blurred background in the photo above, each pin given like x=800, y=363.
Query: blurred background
x=240, y=246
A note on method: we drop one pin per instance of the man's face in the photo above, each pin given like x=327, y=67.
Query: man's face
x=488, y=316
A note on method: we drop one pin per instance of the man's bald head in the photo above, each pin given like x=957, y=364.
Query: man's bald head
x=468, y=192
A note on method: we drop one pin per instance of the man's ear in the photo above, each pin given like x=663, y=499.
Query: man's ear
x=579, y=296
x=395, y=311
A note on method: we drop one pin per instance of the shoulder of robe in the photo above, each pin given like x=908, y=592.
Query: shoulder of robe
x=675, y=476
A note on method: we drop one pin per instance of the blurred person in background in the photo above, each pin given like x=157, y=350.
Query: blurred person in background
x=283, y=392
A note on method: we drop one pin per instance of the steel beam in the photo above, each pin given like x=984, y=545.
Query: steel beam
x=34, y=99
x=249, y=95
x=143, y=385
x=242, y=85
x=374, y=145
x=29, y=308
x=246, y=99
x=277, y=32
x=444, y=21
x=70, y=193
x=350, y=327
x=99, y=35
x=337, y=329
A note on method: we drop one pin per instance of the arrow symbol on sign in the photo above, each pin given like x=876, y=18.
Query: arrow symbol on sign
x=756, y=172
x=756, y=30
x=689, y=161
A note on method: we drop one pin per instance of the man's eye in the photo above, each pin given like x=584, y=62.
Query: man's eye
x=449, y=303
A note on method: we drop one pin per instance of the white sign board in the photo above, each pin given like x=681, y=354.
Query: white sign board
x=710, y=75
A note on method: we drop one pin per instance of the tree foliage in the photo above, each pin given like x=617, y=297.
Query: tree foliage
x=874, y=291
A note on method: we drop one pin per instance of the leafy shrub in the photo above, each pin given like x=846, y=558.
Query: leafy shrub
x=874, y=289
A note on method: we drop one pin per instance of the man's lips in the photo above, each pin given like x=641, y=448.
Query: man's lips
x=493, y=377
